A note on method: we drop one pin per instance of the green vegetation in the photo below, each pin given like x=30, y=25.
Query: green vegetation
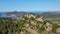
x=28, y=24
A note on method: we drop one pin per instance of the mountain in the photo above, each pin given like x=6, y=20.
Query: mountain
x=41, y=13
x=28, y=24
x=17, y=14
x=51, y=14
x=13, y=14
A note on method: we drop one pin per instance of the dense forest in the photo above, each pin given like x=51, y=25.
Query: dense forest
x=28, y=24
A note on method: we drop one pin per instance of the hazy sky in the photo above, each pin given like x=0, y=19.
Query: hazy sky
x=30, y=5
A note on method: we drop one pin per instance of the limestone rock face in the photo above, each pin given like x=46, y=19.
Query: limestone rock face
x=28, y=24
x=48, y=27
x=30, y=15
x=39, y=19
x=58, y=30
x=35, y=25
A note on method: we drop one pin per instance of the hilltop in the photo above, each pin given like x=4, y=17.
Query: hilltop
x=28, y=24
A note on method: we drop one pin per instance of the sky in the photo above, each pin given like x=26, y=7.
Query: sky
x=29, y=5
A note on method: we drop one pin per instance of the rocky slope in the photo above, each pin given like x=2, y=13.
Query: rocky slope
x=28, y=24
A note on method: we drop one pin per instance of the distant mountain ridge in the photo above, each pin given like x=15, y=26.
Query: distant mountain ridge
x=51, y=14
x=13, y=14
x=18, y=14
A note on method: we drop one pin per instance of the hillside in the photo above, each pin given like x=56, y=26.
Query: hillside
x=13, y=14
x=53, y=16
x=28, y=24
